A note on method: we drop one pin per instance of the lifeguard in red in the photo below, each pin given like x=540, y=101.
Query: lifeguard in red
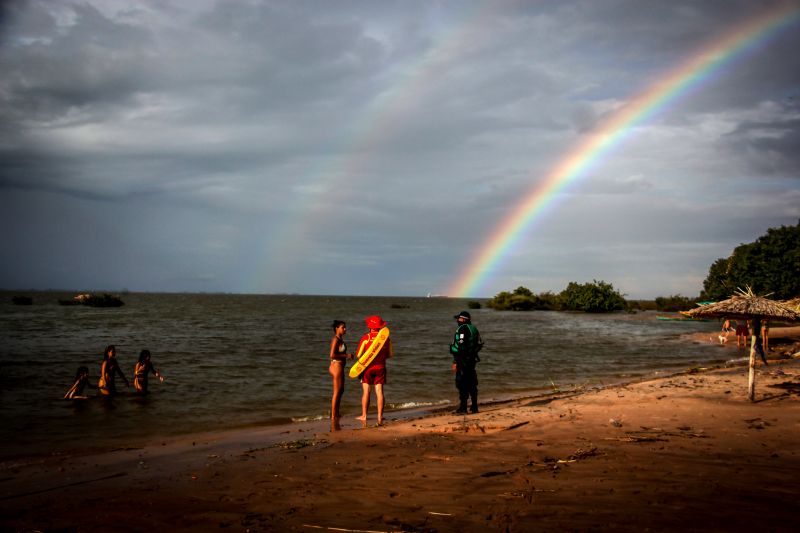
x=374, y=376
x=375, y=373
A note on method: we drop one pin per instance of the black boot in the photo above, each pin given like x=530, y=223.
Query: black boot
x=462, y=407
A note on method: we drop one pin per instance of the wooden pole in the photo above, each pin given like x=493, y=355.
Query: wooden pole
x=751, y=382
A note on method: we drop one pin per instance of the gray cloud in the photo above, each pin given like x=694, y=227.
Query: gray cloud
x=275, y=146
x=771, y=148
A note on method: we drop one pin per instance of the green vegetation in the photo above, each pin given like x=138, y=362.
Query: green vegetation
x=598, y=296
x=522, y=299
x=642, y=305
x=675, y=302
x=770, y=265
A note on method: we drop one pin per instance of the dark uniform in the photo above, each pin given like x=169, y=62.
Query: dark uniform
x=466, y=344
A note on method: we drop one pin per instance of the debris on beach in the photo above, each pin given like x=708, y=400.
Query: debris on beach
x=300, y=443
x=580, y=453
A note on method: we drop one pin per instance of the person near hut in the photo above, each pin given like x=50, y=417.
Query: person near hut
x=757, y=332
x=466, y=344
x=745, y=305
x=765, y=336
x=728, y=327
x=741, y=334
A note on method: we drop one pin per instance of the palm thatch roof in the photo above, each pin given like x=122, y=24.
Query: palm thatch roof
x=794, y=303
x=745, y=305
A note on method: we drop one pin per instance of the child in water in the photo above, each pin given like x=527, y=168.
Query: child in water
x=108, y=370
x=142, y=370
x=81, y=382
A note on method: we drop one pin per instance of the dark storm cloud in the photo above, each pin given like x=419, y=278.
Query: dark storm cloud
x=49, y=72
x=206, y=135
x=772, y=148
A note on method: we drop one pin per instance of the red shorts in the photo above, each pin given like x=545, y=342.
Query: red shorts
x=374, y=375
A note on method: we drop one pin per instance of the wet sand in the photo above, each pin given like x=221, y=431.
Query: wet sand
x=685, y=452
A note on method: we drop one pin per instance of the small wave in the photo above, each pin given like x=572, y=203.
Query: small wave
x=411, y=405
x=737, y=361
x=312, y=418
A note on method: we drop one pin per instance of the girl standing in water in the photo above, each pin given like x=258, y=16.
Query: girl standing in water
x=338, y=355
x=108, y=370
x=144, y=367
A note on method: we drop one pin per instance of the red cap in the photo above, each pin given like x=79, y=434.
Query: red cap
x=375, y=322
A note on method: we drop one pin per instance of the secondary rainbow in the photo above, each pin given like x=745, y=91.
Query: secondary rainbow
x=747, y=36
x=371, y=128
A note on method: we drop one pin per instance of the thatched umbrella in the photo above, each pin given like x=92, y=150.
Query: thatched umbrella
x=794, y=303
x=745, y=305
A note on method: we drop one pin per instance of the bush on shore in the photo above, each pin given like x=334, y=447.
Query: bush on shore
x=598, y=296
x=675, y=303
x=595, y=297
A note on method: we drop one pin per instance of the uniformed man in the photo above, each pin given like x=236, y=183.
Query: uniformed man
x=466, y=344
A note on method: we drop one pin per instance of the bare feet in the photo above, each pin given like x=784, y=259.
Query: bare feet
x=363, y=419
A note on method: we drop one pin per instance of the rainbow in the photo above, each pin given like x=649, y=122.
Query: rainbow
x=734, y=44
x=331, y=179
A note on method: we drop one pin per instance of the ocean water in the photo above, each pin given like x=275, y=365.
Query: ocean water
x=249, y=360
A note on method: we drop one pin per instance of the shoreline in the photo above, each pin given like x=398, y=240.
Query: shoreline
x=681, y=451
x=321, y=423
x=786, y=343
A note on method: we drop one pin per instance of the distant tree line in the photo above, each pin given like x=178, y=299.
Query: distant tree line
x=770, y=266
x=595, y=297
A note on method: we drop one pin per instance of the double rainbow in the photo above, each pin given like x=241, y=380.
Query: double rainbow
x=734, y=44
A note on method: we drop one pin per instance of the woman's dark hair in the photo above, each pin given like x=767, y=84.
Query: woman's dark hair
x=81, y=371
x=109, y=348
x=144, y=354
x=337, y=323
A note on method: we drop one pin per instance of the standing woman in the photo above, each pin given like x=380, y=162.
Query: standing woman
x=141, y=370
x=338, y=355
x=108, y=369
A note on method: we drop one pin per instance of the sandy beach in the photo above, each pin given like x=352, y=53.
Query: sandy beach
x=684, y=452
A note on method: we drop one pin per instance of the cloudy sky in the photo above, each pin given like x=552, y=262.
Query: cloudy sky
x=373, y=147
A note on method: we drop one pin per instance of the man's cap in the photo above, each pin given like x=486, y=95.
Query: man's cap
x=463, y=314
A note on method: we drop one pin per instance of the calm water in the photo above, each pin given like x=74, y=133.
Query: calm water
x=242, y=360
